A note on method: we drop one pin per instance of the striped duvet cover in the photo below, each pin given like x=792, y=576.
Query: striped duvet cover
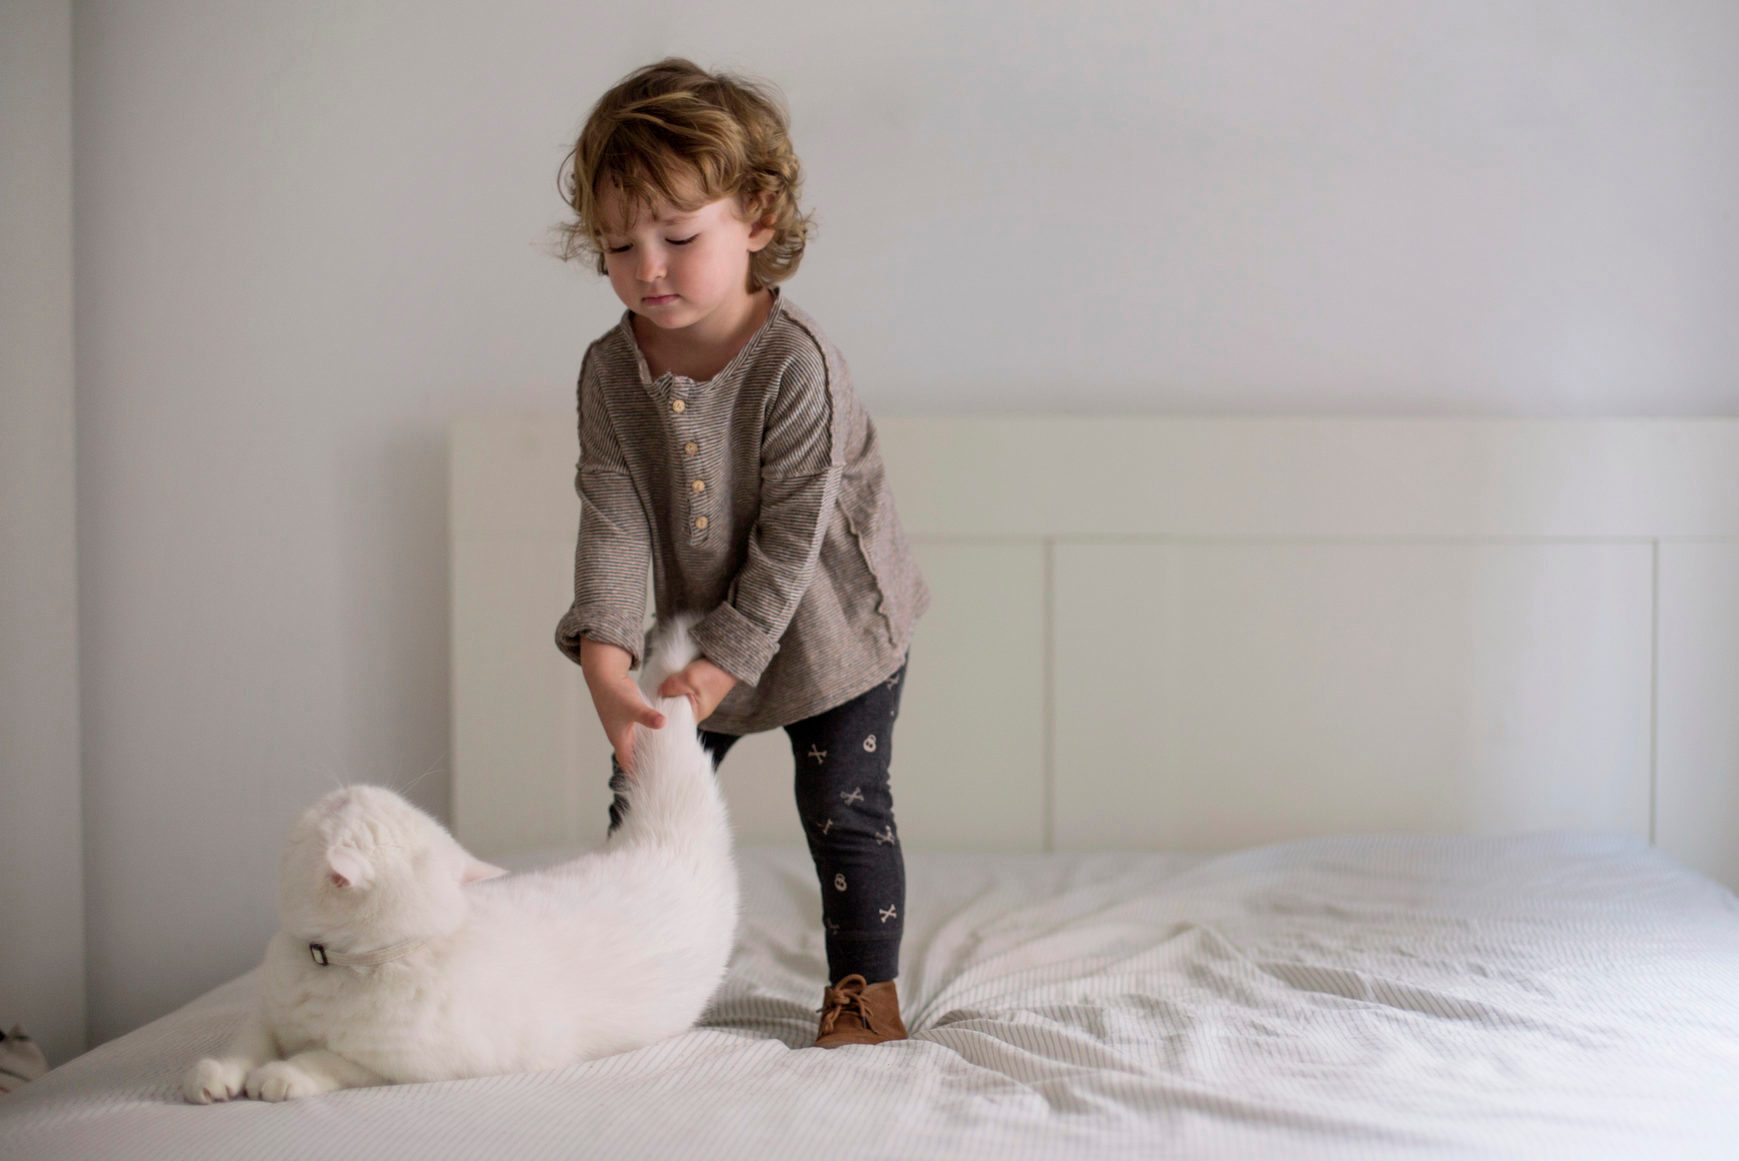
x=1549, y=995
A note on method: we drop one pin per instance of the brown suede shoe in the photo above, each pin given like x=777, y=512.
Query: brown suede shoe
x=855, y=1011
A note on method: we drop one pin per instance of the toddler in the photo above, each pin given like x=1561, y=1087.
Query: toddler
x=722, y=445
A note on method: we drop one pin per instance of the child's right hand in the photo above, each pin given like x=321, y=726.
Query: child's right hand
x=616, y=697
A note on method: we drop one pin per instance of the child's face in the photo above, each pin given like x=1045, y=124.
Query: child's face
x=698, y=258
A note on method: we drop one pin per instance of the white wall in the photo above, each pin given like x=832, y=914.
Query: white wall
x=309, y=234
x=42, y=941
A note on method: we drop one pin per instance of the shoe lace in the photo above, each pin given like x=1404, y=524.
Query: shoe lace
x=846, y=995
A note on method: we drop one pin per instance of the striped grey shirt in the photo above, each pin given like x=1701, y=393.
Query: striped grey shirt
x=758, y=498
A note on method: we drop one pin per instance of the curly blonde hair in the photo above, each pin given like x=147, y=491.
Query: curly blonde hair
x=672, y=125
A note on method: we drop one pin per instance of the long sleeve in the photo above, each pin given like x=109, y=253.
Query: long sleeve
x=802, y=463
x=614, y=550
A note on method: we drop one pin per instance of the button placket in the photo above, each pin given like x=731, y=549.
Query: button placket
x=698, y=502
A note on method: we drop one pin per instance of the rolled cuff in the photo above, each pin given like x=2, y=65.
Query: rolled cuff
x=734, y=643
x=611, y=630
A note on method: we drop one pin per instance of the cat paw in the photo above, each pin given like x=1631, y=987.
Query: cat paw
x=213, y=1080
x=281, y=1081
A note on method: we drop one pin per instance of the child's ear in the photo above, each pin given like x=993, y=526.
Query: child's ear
x=346, y=868
x=476, y=870
x=758, y=213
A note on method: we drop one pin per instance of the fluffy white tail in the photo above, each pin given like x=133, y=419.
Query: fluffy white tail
x=668, y=649
x=673, y=794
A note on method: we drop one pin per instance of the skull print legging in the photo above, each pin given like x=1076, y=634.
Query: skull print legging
x=846, y=803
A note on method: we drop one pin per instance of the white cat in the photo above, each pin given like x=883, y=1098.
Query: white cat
x=398, y=962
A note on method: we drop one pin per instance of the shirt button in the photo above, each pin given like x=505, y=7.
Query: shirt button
x=678, y=406
x=690, y=448
x=700, y=485
x=700, y=521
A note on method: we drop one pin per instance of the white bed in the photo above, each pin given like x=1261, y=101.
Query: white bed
x=1553, y=995
x=1269, y=788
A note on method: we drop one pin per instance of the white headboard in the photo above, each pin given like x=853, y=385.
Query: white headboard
x=1200, y=633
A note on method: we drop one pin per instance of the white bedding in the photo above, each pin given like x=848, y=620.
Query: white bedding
x=1394, y=997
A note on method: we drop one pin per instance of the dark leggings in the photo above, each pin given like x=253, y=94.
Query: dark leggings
x=845, y=800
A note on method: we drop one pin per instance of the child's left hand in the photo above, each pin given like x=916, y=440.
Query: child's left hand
x=704, y=683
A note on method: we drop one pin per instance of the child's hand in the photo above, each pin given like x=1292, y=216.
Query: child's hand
x=616, y=697
x=704, y=683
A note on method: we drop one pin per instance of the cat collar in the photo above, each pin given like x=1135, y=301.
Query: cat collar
x=381, y=955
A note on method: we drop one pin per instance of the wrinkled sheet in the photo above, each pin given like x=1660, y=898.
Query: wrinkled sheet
x=1386, y=996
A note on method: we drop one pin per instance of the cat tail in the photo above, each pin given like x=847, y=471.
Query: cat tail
x=673, y=796
x=669, y=646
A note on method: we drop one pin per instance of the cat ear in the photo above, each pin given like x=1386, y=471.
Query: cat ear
x=347, y=868
x=476, y=870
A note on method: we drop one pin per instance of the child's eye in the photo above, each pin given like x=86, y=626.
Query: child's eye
x=672, y=241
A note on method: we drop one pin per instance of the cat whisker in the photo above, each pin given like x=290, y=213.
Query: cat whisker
x=436, y=766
